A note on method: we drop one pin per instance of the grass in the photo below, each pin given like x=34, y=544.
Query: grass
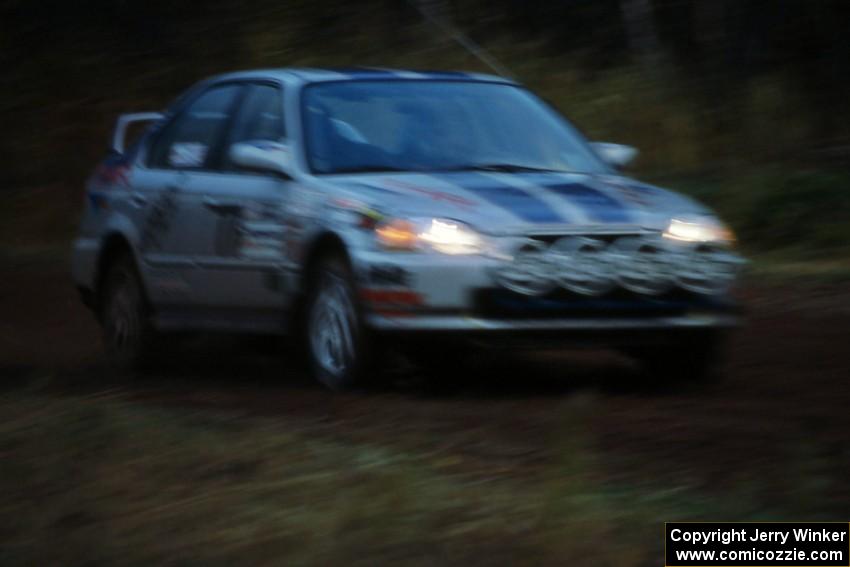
x=100, y=480
x=796, y=267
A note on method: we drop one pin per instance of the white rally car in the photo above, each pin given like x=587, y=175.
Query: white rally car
x=362, y=205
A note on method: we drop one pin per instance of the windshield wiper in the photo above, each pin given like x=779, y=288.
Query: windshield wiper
x=503, y=168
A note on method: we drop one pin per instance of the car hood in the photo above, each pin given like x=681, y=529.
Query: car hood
x=497, y=203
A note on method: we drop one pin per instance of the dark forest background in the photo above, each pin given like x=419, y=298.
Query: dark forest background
x=741, y=102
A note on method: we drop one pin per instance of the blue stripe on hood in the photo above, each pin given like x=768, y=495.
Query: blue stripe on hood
x=595, y=204
x=522, y=204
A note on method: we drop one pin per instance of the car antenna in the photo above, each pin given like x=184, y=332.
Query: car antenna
x=426, y=8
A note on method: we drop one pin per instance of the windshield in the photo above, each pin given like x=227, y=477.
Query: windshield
x=360, y=126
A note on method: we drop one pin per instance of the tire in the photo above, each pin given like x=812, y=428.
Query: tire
x=693, y=360
x=336, y=339
x=128, y=334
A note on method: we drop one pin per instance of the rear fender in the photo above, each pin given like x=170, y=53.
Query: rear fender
x=119, y=228
x=120, y=224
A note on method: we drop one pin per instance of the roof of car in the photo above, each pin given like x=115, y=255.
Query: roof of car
x=311, y=75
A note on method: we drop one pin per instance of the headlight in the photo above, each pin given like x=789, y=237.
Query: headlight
x=450, y=237
x=396, y=234
x=699, y=229
x=442, y=235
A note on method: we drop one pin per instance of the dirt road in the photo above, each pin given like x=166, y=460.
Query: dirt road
x=782, y=405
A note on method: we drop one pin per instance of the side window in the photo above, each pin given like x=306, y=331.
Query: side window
x=260, y=118
x=188, y=140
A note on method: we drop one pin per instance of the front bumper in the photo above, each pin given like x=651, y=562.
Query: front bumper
x=423, y=294
x=453, y=323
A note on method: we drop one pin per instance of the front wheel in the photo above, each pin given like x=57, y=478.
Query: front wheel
x=336, y=338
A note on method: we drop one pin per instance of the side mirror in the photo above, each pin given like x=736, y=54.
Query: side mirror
x=617, y=155
x=263, y=155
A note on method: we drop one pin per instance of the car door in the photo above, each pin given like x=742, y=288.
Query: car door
x=240, y=217
x=183, y=149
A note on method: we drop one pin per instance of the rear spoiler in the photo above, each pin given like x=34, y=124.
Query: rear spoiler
x=124, y=121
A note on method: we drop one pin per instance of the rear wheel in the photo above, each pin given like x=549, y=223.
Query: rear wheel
x=128, y=335
x=336, y=338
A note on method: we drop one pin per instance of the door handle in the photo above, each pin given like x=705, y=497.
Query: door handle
x=222, y=207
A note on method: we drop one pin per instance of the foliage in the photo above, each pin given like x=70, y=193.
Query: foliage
x=802, y=212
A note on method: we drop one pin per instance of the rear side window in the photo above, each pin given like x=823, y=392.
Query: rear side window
x=189, y=140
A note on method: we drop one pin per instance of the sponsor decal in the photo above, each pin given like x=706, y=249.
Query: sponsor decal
x=432, y=193
x=187, y=154
x=343, y=203
x=159, y=219
x=226, y=237
x=349, y=211
x=251, y=231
